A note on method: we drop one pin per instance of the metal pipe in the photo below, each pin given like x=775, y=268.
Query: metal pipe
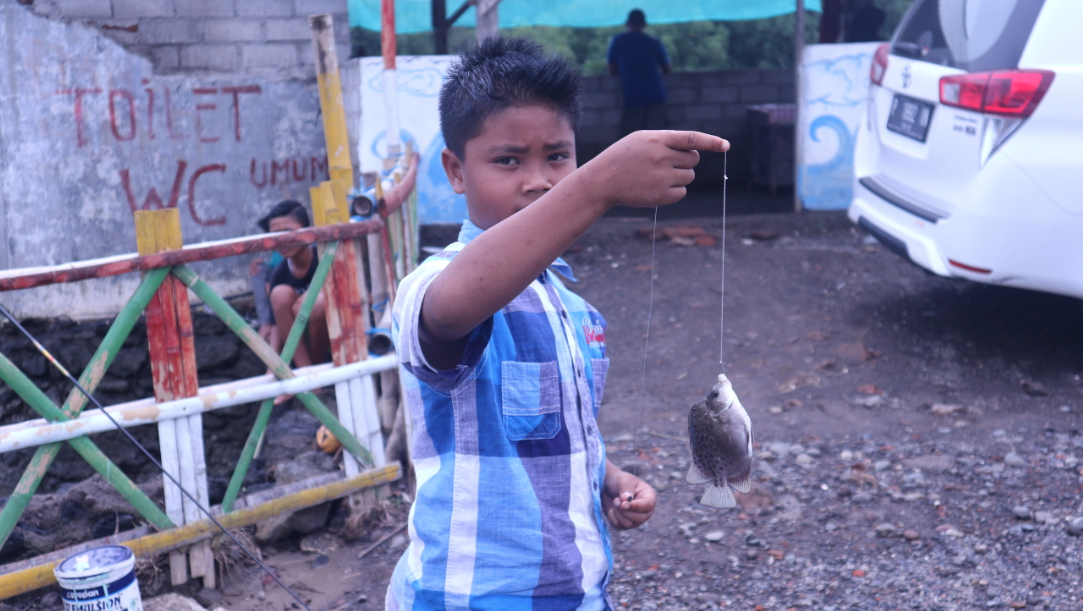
x=39, y=432
x=25, y=278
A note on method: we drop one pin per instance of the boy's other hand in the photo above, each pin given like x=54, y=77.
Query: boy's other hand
x=627, y=500
x=650, y=168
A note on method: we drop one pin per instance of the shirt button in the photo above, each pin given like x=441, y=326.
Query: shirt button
x=595, y=485
x=564, y=313
x=590, y=429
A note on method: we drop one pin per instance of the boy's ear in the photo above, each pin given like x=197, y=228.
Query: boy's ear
x=453, y=167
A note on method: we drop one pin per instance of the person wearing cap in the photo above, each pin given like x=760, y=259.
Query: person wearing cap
x=640, y=60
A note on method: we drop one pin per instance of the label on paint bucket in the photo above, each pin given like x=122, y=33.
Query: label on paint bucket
x=99, y=579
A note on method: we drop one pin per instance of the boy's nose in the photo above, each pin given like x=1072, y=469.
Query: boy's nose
x=537, y=181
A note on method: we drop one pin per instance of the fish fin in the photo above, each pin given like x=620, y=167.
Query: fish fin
x=697, y=476
x=718, y=496
x=744, y=486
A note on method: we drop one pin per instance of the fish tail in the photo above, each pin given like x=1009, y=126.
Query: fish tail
x=719, y=496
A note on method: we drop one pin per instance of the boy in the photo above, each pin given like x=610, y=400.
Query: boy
x=503, y=367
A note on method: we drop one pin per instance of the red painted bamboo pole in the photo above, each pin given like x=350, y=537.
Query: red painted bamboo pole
x=126, y=264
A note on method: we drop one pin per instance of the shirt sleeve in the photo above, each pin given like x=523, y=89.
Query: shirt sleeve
x=663, y=56
x=280, y=273
x=406, y=321
x=609, y=54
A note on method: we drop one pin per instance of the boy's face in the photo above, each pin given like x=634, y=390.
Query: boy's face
x=519, y=155
x=286, y=223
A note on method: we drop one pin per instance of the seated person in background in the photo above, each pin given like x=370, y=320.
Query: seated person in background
x=290, y=280
x=394, y=198
x=260, y=273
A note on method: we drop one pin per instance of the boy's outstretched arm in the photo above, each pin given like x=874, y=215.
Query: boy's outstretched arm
x=644, y=169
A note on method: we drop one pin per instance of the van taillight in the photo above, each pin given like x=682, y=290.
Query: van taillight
x=1006, y=93
x=879, y=65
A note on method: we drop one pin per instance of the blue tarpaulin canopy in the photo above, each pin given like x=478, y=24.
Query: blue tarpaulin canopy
x=416, y=15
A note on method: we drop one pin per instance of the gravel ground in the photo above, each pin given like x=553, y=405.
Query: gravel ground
x=918, y=439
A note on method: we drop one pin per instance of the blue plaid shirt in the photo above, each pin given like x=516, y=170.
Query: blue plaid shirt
x=507, y=453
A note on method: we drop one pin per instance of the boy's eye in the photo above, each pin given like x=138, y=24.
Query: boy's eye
x=505, y=161
x=558, y=157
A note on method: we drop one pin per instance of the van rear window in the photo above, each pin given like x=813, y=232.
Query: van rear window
x=973, y=35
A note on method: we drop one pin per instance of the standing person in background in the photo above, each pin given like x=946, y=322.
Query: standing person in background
x=865, y=22
x=831, y=21
x=640, y=61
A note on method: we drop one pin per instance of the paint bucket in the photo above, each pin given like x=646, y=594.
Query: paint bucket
x=99, y=579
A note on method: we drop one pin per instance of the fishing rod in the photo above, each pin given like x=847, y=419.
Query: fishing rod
x=41, y=349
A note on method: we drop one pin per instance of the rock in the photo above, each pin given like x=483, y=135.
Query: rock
x=1075, y=527
x=930, y=462
x=854, y=352
x=306, y=466
x=846, y=456
x=129, y=361
x=209, y=598
x=804, y=460
x=1034, y=389
x=293, y=423
x=171, y=602
x=1044, y=517
x=714, y=536
x=398, y=541
x=300, y=522
x=1021, y=512
x=885, y=530
x=911, y=535
x=882, y=465
x=778, y=448
x=945, y=409
x=861, y=498
x=50, y=600
x=758, y=498
x=320, y=543
x=215, y=351
x=1014, y=460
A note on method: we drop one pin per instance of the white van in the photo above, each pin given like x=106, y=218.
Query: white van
x=970, y=164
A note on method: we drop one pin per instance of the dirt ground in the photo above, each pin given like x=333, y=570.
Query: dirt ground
x=917, y=437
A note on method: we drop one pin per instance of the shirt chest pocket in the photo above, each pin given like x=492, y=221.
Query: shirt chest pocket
x=530, y=400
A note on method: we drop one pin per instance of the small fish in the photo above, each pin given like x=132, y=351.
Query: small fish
x=720, y=434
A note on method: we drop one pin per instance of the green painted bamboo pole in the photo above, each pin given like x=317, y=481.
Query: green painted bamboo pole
x=265, y=408
x=237, y=324
x=92, y=376
x=43, y=405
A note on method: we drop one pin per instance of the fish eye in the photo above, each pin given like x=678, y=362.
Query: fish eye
x=714, y=394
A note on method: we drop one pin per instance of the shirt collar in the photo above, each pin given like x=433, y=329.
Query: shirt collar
x=471, y=231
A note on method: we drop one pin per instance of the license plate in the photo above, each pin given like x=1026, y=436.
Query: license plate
x=910, y=117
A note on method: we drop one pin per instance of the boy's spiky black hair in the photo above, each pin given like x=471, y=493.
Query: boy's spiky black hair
x=496, y=74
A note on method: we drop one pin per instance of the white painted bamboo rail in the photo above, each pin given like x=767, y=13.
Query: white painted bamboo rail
x=145, y=411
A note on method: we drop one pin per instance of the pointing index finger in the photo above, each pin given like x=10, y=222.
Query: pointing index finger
x=696, y=141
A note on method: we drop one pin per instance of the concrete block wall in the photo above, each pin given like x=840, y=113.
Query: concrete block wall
x=261, y=38
x=713, y=102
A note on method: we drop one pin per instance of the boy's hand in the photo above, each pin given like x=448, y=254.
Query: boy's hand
x=650, y=168
x=627, y=500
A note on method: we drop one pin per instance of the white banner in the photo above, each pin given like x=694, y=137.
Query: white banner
x=834, y=93
x=419, y=80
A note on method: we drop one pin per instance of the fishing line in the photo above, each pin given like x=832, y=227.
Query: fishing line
x=187, y=494
x=722, y=316
x=647, y=340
